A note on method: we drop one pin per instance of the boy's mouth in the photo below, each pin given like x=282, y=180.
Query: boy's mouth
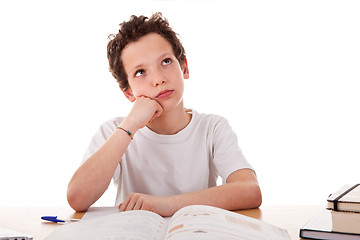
x=164, y=94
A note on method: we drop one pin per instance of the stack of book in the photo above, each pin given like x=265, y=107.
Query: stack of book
x=340, y=220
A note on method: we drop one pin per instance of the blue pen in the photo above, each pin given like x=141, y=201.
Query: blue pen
x=56, y=220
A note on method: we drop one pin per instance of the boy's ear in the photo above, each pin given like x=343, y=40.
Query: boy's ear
x=185, y=69
x=128, y=94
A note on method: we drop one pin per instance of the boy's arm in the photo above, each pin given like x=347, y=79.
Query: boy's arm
x=93, y=177
x=241, y=191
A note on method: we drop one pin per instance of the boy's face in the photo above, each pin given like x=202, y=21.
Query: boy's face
x=154, y=71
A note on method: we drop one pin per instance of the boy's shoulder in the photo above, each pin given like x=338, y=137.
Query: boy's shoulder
x=207, y=117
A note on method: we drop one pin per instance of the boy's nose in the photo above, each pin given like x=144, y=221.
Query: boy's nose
x=158, y=79
x=157, y=83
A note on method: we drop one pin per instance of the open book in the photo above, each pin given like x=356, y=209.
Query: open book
x=192, y=222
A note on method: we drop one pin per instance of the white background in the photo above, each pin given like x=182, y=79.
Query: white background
x=285, y=74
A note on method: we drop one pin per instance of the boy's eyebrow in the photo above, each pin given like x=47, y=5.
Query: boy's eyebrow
x=168, y=55
x=165, y=54
x=139, y=66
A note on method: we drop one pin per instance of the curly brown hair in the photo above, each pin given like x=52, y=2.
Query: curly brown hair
x=131, y=31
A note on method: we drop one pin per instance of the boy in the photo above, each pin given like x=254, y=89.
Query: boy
x=161, y=156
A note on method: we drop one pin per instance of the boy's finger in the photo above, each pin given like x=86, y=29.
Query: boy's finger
x=138, y=205
x=159, y=110
x=130, y=205
x=123, y=205
x=156, y=114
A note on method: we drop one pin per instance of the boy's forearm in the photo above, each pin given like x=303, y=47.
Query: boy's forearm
x=241, y=192
x=230, y=196
x=92, y=178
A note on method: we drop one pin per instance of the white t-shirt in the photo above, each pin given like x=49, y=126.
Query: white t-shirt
x=165, y=165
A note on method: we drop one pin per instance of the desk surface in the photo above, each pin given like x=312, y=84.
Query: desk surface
x=27, y=220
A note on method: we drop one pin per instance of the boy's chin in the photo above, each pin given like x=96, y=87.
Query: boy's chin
x=172, y=106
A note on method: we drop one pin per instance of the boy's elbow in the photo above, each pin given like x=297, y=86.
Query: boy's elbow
x=255, y=196
x=252, y=197
x=76, y=201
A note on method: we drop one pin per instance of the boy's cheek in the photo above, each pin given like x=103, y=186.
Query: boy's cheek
x=140, y=93
x=144, y=94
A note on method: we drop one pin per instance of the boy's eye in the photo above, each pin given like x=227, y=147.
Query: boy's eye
x=139, y=72
x=166, y=61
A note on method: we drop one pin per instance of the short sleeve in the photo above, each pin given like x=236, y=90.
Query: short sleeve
x=227, y=155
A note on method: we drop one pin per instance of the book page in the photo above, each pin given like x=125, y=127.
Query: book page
x=205, y=222
x=95, y=212
x=130, y=225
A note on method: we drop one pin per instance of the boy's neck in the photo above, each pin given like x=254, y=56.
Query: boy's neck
x=171, y=122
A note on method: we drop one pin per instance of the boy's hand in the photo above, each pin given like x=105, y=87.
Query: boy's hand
x=163, y=206
x=143, y=111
